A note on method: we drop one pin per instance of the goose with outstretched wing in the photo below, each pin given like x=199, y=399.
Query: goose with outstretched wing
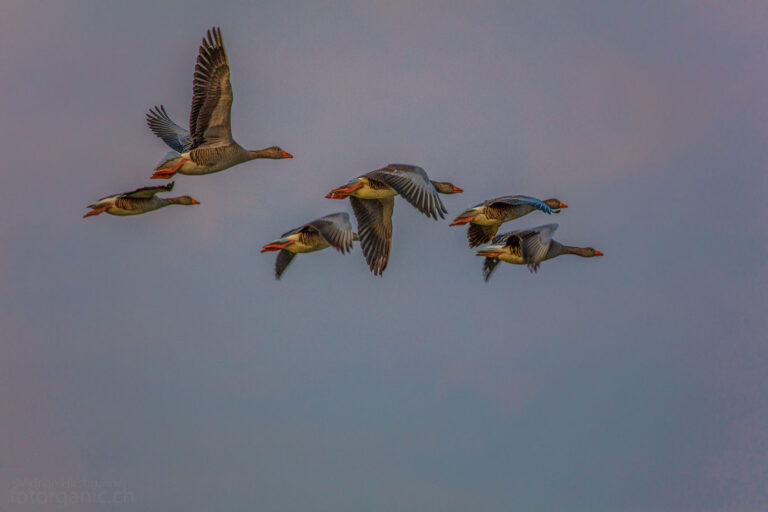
x=528, y=247
x=485, y=218
x=372, y=197
x=333, y=230
x=208, y=146
x=141, y=200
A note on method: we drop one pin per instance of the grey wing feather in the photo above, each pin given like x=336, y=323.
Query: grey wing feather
x=172, y=134
x=336, y=230
x=535, y=244
x=284, y=259
x=374, y=225
x=503, y=239
x=147, y=192
x=413, y=184
x=209, y=119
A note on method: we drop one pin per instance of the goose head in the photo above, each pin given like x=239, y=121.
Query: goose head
x=186, y=200
x=446, y=187
x=274, y=152
x=555, y=204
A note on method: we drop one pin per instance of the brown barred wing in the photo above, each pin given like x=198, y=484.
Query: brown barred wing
x=139, y=204
x=479, y=235
x=209, y=119
x=374, y=225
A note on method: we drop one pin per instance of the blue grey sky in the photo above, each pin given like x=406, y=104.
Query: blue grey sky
x=159, y=351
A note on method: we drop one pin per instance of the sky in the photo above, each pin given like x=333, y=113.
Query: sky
x=153, y=362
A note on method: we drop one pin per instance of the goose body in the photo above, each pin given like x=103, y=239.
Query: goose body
x=528, y=247
x=141, y=200
x=333, y=230
x=372, y=198
x=485, y=218
x=208, y=146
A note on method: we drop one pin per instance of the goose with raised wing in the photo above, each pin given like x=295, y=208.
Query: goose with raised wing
x=485, y=218
x=528, y=247
x=208, y=146
x=141, y=200
x=372, y=197
x=333, y=230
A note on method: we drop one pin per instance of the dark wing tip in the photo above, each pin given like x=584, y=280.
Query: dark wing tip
x=157, y=114
x=152, y=114
x=489, y=264
x=478, y=235
x=213, y=38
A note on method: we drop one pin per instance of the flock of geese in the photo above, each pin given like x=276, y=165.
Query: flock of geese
x=208, y=147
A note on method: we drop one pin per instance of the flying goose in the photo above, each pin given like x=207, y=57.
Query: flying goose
x=528, y=247
x=141, y=200
x=372, y=197
x=485, y=218
x=208, y=146
x=333, y=230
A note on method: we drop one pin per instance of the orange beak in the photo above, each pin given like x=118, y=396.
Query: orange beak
x=96, y=211
x=462, y=220
x=598, y=253
x=489, y=254
x=457, y=190
x=563, y=205
x=195, y=201
x=276, y=246
x=342, y=192
x=287, y=155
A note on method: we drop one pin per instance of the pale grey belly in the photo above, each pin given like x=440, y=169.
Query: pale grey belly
x=123, y=212
x=213, y=159
x=190, y=168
